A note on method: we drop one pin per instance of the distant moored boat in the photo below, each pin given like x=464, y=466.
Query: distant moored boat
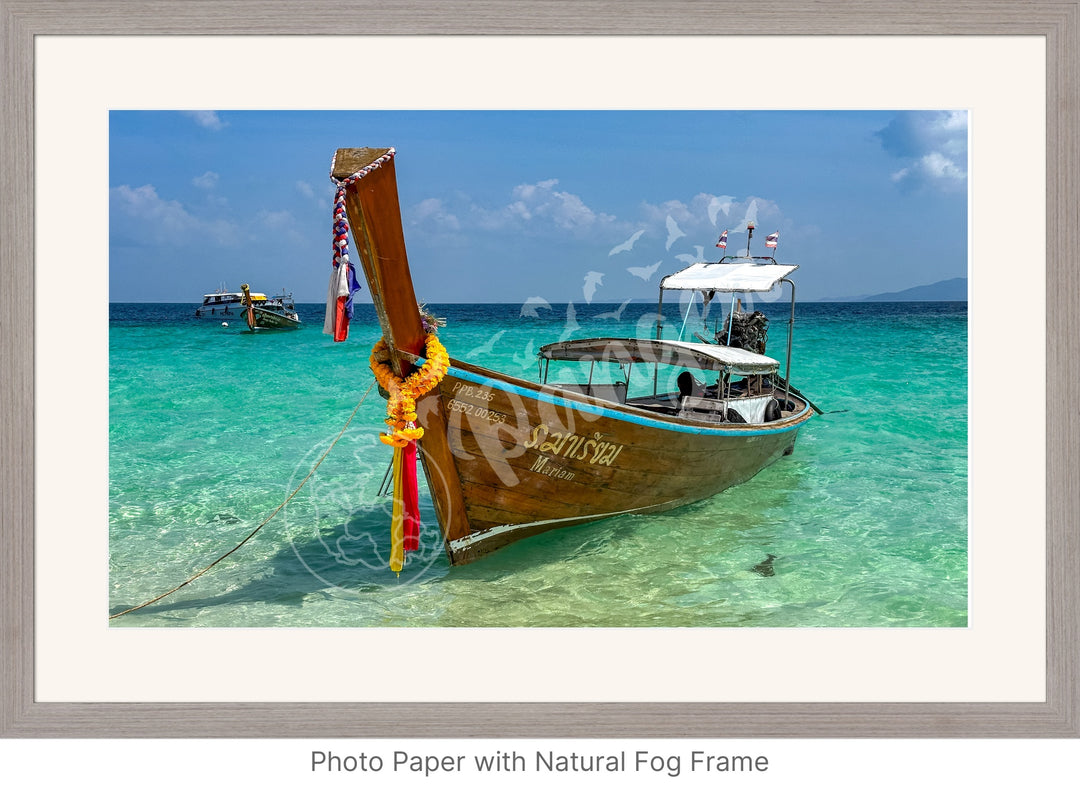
x=223, y=302
x=260, y=312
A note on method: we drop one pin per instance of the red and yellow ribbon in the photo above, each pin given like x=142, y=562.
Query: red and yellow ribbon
x=405, y=520
x=401, y=417
x=397, y=522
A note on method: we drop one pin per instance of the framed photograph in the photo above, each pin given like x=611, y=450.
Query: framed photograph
x=93, y=123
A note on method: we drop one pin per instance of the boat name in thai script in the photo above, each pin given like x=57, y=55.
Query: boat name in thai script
x=573, y=446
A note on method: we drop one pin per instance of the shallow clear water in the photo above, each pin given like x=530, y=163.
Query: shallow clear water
x=211, y=428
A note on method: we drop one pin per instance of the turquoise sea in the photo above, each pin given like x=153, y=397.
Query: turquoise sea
x=211, y=428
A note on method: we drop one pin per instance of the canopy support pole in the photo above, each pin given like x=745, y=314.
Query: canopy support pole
x=731, y=320
x=659, y=333
x=686, y=317
x=660, y=314
x=790, y=332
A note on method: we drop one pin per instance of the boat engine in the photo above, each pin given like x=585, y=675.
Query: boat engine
x=749, y=331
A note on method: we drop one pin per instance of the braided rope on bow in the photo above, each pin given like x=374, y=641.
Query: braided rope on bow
x=341, y=220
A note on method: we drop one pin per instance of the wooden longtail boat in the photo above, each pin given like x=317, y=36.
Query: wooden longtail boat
x=507, y=458
x=276, y=313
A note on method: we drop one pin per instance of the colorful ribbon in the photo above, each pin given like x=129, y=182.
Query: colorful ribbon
x=343, y=282
x=410, y=498
x=405, y=520
x=397, y=524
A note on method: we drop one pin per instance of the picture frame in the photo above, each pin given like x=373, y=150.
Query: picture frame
x=22, y=716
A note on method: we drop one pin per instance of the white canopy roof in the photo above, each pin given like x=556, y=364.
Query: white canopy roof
x=742, y=275
x=680, y=354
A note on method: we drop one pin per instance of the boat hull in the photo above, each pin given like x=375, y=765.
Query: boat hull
x=528, y=458
x=220, y=310
x=267, y=319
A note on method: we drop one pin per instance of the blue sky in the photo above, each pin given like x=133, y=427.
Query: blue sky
x=508, y=205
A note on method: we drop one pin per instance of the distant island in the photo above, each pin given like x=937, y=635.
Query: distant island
x=947, y=290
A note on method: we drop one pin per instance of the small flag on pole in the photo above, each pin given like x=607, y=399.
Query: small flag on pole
x=722, y=242
x=771, y=240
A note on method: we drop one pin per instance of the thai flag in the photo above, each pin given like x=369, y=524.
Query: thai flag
x=771, y=240
x=722, y=242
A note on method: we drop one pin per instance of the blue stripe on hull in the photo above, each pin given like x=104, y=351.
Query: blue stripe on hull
x=588, y=408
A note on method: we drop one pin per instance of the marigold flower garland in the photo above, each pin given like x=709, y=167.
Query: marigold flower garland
x=401, y=405
x=401, y=417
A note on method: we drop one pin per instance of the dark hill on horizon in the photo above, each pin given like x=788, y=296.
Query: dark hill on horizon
x=947, y=290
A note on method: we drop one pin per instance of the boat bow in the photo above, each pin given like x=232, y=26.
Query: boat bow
x=367, y=183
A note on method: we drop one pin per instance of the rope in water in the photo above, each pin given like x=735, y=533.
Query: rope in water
x=266, y=521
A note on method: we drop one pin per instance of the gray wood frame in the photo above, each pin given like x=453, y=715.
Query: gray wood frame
x=21, y=716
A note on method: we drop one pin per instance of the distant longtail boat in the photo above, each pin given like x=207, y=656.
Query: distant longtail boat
x=506, y=458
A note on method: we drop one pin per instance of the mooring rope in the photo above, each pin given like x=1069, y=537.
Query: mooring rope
x=265, y=521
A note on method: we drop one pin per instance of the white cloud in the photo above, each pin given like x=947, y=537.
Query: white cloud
x=939, y=166
x=751, y=215
x=699, y=225
x=717, y=205
x=144, y=204
x=207, y=181
x=279, y=223
x=656, y=215
x=542, y=202
x=934, y=169
x=933, y=146
x=534, y=206
x=699, y=216
x=954, y=120
x=275, y=218
x=165, y=220
x=207, y=118
x=530, y=192
x=540, y=207
x=521, y=210
x=433, y=211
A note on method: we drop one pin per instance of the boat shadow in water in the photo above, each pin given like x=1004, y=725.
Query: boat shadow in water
x=737, y=524
x=349, y=557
